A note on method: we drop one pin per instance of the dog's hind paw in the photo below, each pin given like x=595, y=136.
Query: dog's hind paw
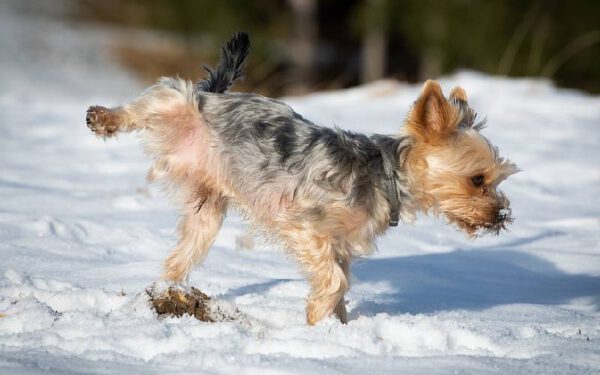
x=101, y=121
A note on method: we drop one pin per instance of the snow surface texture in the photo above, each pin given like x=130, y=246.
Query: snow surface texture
x=82, y=235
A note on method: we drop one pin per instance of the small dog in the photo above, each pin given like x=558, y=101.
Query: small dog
x=324, y=193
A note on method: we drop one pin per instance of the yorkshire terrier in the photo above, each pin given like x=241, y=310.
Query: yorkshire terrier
x=325, y=194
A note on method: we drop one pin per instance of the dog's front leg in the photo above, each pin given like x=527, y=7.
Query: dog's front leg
x=340, y=309
x=329, y=281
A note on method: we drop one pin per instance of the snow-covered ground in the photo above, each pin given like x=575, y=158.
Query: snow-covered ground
x=82, y=235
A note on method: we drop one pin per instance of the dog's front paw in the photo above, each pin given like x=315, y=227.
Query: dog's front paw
x=101, y=121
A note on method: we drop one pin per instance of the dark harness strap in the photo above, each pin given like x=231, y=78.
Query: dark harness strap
x=389, y=184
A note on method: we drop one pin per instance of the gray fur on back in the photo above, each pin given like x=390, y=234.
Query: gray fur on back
x=265, y=142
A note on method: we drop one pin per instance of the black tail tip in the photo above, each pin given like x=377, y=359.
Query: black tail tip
x=230, y=66
x=241, y=37
x=237, y=47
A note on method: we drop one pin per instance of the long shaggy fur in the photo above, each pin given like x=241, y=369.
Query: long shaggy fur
x=324, y=193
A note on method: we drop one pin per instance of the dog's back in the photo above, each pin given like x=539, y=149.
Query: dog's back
x=274, y=155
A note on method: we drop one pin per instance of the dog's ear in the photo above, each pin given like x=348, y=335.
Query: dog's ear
x=432, y=118
x=458, y=93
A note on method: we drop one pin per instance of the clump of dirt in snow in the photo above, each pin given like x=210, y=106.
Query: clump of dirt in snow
x=178, y=301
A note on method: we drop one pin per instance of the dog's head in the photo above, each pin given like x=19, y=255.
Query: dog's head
x=456, y=170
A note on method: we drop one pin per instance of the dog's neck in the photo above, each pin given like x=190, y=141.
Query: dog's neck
x=390, y=184
x=394, y=151
x=414, y=167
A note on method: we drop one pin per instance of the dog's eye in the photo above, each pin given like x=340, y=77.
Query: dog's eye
x=477, y=180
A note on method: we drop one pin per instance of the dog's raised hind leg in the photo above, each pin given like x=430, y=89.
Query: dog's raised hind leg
x=104, y=122
x=153, y=108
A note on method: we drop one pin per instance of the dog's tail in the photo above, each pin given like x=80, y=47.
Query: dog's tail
x=229, y=68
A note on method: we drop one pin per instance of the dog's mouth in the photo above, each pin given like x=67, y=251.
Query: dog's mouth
x=498, y=223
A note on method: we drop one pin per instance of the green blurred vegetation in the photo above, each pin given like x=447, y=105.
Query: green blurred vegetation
x=311, y=44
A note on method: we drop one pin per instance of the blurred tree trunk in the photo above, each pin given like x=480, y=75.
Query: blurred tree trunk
x=186, y=19
x=432, y=55
x=374, y=43
x=303, y=45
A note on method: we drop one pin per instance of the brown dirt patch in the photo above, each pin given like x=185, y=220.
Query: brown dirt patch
x=178, y=302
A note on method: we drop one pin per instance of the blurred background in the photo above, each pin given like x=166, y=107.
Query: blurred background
x=301, y=46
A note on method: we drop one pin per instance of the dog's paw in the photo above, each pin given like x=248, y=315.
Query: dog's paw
x=101, y=121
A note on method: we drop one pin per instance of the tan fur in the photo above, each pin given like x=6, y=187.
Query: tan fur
x=445, y=158
x=432, y=119
x=458, y=93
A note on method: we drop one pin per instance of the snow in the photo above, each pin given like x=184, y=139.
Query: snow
x=82, y=236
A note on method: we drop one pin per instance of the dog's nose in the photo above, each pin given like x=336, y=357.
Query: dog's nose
x=504, y=212
x=501, y=215
x=502, y=219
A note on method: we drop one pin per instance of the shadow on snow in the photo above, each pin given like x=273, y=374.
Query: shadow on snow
x=472, y=280
x=463, y=279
